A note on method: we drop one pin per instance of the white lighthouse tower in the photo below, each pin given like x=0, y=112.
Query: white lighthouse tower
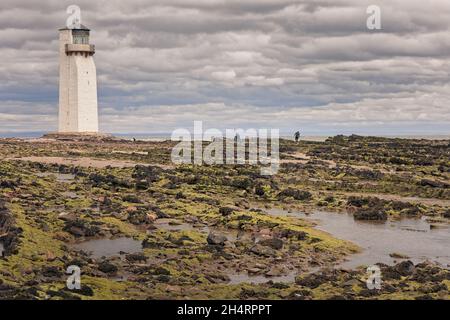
x=78, y=110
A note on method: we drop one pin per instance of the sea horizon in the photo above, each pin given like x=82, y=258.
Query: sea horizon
x=283, y=135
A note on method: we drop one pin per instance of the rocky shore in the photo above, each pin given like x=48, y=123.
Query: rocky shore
x=139, y=227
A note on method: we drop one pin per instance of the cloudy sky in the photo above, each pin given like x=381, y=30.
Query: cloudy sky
x=305, y=64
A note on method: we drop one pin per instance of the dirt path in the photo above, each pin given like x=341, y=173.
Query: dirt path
x=299, y=157
x=88, y=162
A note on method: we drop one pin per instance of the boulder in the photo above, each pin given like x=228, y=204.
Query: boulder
x=81, y=228
x=139, y=217
x=274, y=243
x=107, y=267
x=288, y=233
x=259, y=191
x=216, y=239
x=253, y=271
x=51, y=272
x=274, y=272
x=9, y=232
x=373, y=214
x=85, y=291
x=261, y=250
x=405, y=268
x=433, y=183
x=296, y=194
x=161, y=270
x=136, y=257
x=226, y=211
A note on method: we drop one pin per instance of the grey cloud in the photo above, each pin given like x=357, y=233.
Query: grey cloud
x=162, y=64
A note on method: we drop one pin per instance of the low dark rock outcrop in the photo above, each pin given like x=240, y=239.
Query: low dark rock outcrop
x=216, y=239
x=9, y=232
x=226, y=211
x=373, y=214
x=107, y=267
x=81, y=228
x=296, y=194
x=273, y=243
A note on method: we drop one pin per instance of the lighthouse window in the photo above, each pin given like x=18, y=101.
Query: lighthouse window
x=81, y=39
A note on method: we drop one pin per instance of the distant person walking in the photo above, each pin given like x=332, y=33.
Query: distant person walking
x=297, y=136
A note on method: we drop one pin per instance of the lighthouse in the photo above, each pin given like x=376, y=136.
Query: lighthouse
x=78, y=110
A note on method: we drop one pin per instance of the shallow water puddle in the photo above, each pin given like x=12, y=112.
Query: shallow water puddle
x=64, y=177
x=109, y=247
x=60, y=177
x=410, y=237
